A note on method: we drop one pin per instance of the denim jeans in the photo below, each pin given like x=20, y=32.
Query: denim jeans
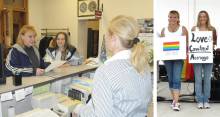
x=203, y=91
x=174, y=70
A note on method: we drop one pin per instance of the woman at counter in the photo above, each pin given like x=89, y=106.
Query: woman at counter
x=61, y=49
x=24, y=57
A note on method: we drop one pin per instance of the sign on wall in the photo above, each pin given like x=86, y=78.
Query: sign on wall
x=201, y=47
x=172, y=48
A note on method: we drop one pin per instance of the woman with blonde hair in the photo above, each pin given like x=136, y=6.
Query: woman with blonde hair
x=24, y=57
x=203, y=89
x=174, y=67
x=123, y=85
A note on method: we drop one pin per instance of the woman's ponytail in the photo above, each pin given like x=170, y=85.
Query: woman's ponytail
x=139, y=57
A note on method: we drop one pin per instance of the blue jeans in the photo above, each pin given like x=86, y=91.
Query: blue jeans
x=203, y=91
x=174, y=70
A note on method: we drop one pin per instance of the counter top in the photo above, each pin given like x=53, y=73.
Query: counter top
x=56, y=74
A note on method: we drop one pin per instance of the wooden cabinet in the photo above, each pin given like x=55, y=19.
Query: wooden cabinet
x=13, y=15
x=20, y=5
x=17, y=5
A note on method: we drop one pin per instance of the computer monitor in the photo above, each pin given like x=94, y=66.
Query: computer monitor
x=2, y=65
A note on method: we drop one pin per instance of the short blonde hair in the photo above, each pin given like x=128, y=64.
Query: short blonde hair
x=23, y=30
x=126, y=28
x=174, y=12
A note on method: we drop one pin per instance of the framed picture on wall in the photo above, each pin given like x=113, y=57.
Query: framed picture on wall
x=87, y=8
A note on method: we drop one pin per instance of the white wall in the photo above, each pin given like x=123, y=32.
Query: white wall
x=135, y=8
x=36, y=17
x=212, y=7
x=63, y=13
x=54, y=14
x=162, y=8
x=188, y=10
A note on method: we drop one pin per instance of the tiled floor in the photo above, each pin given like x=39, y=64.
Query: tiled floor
x=187, y=109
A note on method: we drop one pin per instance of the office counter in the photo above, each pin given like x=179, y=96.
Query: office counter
x=63, y=72
x=56, y=74
x=26, y=82
x=52, y=77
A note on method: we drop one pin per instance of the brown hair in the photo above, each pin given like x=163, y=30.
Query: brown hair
x=65, y=37
x=126, y=28
x=23, y=30
x=66, y=45
x=208, y=25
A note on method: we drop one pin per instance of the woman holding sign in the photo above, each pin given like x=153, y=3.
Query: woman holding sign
x=174, y=67
x=203, y=91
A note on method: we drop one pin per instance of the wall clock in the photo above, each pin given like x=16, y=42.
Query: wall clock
x=87, y=7
x=83, y=7
x=92, y=6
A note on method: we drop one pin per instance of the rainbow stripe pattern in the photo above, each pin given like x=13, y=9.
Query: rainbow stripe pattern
x=171, y=46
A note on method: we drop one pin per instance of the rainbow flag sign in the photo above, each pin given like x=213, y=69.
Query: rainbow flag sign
x=171, y=46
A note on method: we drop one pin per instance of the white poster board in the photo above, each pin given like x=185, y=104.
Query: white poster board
x=201, y=47
x=172, y=48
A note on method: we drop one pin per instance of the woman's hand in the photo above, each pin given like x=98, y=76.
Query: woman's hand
x=39, y=71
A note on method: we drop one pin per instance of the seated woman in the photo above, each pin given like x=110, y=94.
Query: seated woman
x=24, y=57
x=61, y=49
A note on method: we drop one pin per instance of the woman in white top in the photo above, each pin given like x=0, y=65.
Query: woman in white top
x=123, y=85
x=203, y=89
x=61, y=49
x=174, y=67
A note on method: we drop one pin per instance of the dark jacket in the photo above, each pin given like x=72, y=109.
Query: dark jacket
x=43, y=45
x=71, y=53
x=18, y=61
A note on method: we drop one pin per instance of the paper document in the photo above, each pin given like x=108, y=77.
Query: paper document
x=38, y=113
x=19, y=94
x=6, y=96
x=29, y=90
x=54, y=64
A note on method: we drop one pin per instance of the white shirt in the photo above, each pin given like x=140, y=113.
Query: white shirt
x=179, y=32
x=119, y=91
x=124, y=54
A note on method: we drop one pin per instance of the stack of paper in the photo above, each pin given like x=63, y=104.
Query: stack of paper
x=41, y=89
x=65, y=105
x=45, y=100
x=38, y=113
